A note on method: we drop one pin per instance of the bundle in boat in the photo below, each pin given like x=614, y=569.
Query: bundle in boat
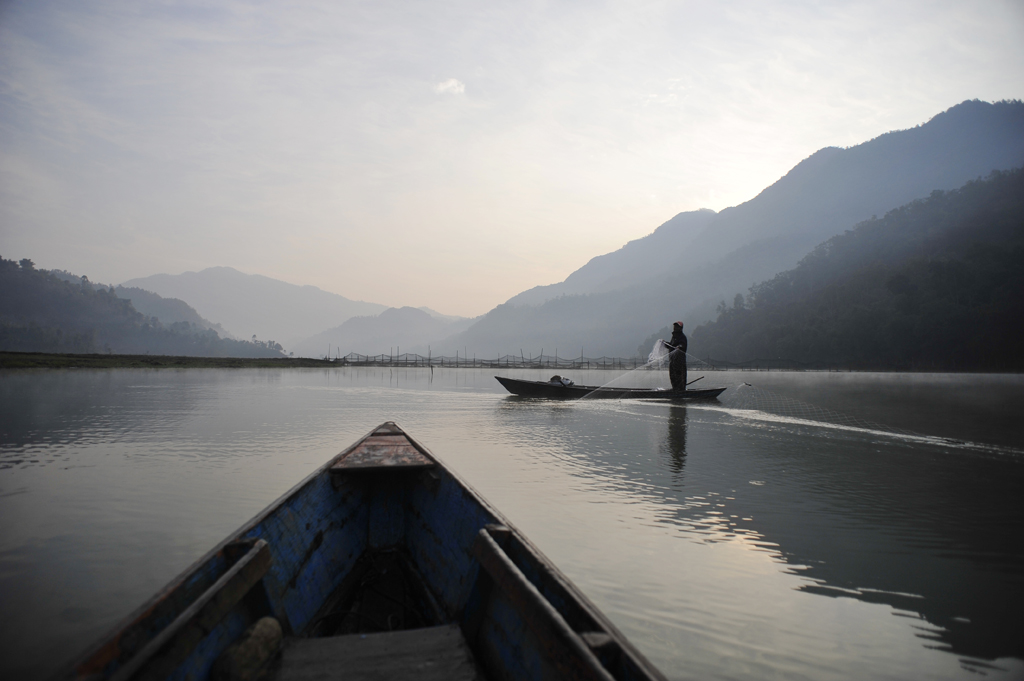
x=381, y=564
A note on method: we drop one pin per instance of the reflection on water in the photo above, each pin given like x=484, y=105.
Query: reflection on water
x=675, y=444
x=912, y=523
x=924, y=531
x=724, y=543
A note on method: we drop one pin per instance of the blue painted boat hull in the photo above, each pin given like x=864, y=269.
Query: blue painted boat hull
x=300, y=560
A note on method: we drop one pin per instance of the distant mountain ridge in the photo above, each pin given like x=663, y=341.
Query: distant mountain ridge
x=43, y=311
x=616, y=300
x=167, y=310
x=404, y=329
x=630, y=265
x=252, y=304
x=933, y=285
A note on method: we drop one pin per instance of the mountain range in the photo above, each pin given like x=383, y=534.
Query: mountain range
x=405, y=330
x=55, y=311
x=682, y=270
x=252, y=304
x=696, y=259
x=933, y=285
x=167, y=310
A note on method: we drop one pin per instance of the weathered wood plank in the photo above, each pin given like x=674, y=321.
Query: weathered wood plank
x=435, y=653
x=383, y=451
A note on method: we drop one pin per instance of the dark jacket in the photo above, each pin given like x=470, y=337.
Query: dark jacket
x=678, y=340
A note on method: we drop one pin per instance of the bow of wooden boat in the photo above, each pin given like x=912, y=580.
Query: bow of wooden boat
x=381, y=560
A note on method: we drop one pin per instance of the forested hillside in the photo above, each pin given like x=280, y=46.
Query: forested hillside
x=167, y=310
x=43, y=312
x=937, y=284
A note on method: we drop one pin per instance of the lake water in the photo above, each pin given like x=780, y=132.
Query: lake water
x=808, y=526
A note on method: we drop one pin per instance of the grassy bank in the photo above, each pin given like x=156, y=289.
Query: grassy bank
x=39, y=360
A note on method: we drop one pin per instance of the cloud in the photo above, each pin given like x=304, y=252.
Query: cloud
x=450, y=86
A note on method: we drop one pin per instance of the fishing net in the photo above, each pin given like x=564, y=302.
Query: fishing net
x=654, y=374
x=658, y=358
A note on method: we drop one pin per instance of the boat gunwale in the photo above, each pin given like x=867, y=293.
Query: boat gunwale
x=114, y=633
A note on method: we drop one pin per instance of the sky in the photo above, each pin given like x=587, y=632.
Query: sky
x=442, y=154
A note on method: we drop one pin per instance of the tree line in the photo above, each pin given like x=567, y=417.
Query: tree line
x=41, y=311
x=937, y=284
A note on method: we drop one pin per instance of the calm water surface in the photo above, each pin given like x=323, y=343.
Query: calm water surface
x=744, y=539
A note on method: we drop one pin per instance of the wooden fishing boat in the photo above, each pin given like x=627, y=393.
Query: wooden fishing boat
x=574, y=392
x=381, y=564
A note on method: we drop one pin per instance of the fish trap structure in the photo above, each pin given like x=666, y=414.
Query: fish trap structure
x=541, y=361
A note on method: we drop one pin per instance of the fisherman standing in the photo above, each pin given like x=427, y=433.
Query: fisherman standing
x=677, y=360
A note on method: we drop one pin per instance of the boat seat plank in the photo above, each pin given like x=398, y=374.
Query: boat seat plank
x=439, y=653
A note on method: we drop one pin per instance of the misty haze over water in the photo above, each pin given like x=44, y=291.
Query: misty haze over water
x=726, y=542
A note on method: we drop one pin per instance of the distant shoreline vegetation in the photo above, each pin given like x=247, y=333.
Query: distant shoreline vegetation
x=937, y=285
x=55, y=312
x=40, y=360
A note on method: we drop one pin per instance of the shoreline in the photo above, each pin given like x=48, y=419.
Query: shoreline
x=42, y=360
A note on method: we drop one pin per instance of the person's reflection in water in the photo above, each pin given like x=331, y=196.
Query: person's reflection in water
x=675, y=442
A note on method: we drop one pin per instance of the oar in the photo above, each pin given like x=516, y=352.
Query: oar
x=694, y=380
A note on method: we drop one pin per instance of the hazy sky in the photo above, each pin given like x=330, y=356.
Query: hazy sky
x=449, y=154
